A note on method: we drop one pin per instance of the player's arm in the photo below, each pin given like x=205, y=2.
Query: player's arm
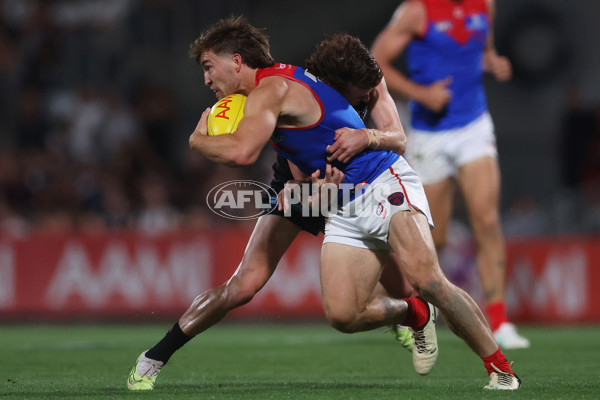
x=409, y=21
x=387, y=135
x=261, y=111
x=296, y=173
x=493, y=63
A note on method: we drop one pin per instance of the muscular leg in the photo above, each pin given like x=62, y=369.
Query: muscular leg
x=439, y=196
x=270, y=239
x=479, y=181
x=392, y=282
x=411, y=239
x=348, y=278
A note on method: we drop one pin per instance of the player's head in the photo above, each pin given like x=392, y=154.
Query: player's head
x=224, y=47
x=344, y=63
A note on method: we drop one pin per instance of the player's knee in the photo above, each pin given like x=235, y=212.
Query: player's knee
x=431, y=287
x=343, y=321
x=342, y=324
x=243, y=296
x=240, y=292
x=487, y=223
x=424, y=273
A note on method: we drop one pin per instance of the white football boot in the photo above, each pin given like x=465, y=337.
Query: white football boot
x=501, y=380
x=507, y=337
x=425, y=348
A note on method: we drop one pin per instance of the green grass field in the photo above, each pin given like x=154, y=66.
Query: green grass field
x=277, y=361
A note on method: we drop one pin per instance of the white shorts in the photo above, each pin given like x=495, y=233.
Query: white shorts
x=438, y=155
x=365, y=221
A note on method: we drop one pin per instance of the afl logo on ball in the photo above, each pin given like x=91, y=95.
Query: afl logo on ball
x=396, y=199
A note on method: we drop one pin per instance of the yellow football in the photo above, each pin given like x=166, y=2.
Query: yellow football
x=226, y=114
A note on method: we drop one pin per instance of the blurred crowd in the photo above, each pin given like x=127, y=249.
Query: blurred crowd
x=80, y=150
x=87, y=142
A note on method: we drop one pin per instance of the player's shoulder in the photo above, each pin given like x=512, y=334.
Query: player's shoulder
x=277, y=69
x=270, y=90
x=410, y=15
x=275, y=77
x=415, y=7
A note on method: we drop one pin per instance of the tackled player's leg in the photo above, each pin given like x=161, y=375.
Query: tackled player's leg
x=349, y=276
x=410, y=237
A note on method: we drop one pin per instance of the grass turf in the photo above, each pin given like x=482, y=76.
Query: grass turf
x=278, y=361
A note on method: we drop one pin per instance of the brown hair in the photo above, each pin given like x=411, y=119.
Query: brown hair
x=343, y=59
x=234, y=35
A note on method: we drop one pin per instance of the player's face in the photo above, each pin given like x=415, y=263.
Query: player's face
x=355, y=95
x=219, y=73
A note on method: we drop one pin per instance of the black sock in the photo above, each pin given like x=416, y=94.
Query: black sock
x=172, y=342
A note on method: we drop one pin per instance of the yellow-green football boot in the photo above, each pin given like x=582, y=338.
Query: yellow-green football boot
x=403, y=335
x=144, y=373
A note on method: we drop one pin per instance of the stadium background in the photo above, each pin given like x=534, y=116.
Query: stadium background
x=102, y=205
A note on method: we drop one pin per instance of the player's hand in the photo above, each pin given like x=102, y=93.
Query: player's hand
x=498, y=66
x=202, y=126
x=201, y=130
x=347, y=142
x=332, y=175
x=327, y=187
x=286, y=194
x=437, y=95
x=293, y=188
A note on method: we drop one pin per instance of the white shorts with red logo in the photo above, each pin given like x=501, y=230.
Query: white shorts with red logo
x=364, y=222
x=438, y=155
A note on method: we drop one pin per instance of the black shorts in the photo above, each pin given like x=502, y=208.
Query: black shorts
x=282, y=174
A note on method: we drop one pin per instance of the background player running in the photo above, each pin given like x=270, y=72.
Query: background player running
x=448, y=44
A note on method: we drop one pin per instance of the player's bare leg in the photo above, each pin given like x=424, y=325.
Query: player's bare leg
x=410, y=237
x=392, y=280
x=439, y=196
x=271, y=237
x=411, y=240
x=348, y=277
x=479, y=181
x=393, y=284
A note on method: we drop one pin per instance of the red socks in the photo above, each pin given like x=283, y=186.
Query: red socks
x=417, y=314
x=496, y=314
x=499, y=360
